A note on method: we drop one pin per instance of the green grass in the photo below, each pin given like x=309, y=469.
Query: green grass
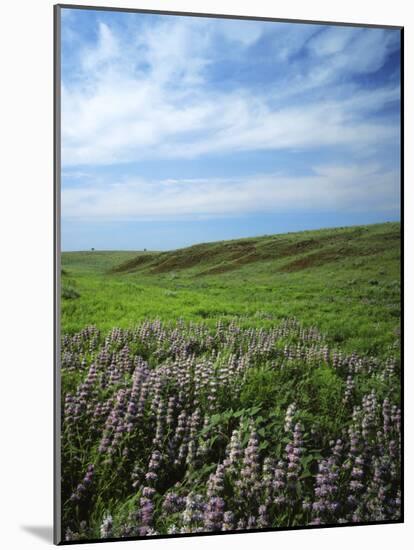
x=345, y=281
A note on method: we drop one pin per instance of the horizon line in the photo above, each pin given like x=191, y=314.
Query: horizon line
x=93, y=249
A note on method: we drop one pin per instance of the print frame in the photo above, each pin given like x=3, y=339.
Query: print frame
x=58, y=535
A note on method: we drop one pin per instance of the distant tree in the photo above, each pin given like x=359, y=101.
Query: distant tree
x=145, y=249
x=92, y=249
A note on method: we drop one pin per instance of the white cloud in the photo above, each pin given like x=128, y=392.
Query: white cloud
x=75, y=174
x=137, y=122
x=290, y=39
x=329, y=41
x=350, y=51
x=175, y=51
x=106, y=50
x=363, y=187
x=145, y=95
x=152, y=100
x=244, y=32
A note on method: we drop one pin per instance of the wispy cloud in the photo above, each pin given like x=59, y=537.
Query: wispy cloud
x=98, y=56
x=363, y=187
x=168, y=119
x=147, y=94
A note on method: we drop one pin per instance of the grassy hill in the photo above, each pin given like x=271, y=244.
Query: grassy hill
x=97, y=261
x=345, y=281
x=289, y=252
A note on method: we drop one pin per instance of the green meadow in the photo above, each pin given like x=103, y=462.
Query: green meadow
x=344, y=281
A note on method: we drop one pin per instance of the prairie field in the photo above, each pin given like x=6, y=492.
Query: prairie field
x=234, y=385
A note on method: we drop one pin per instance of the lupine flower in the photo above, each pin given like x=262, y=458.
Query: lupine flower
x=213, y=515
x=228, y=521
x=106, y=527
x=290, y=413
x=159, y=422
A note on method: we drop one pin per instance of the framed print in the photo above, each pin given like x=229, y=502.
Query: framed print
x=228, y=274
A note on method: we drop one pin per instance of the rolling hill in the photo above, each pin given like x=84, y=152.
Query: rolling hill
x=286, y=253
x=344, y=281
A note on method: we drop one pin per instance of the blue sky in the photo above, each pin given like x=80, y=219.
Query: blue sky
x=177, y=130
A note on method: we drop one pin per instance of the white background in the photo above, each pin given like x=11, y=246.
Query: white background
x=26, y=290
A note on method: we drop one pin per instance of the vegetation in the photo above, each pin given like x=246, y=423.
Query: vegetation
x=184, y=429
x=345, y=281
x=227, y=386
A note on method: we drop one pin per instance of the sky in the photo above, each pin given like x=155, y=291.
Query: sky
x=178, y=130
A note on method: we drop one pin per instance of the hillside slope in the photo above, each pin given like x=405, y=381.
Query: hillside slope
x=346, y=282
x=289, y=252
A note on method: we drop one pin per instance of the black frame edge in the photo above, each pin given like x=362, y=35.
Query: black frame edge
x=229, y=16
x=57, y=534
x=402, y=279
